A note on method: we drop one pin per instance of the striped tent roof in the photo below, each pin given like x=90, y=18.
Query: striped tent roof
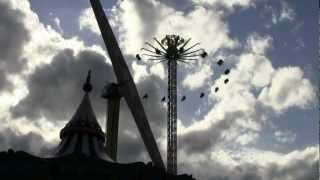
x=83, y=134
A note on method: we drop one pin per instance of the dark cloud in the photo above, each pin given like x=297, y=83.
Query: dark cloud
x=13, y=37
x=156, y=114
x=251, y=176
x=305, y=168
x=31, y=142
x=155, y=110
x=130, y=148
x=201, y=141
x=55, y=89
x=5, y=84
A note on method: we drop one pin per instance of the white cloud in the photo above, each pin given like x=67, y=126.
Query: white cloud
x=252, y=70
x=247, y=138
x=198, y=79
x=255, y=69
x=46, y=41
x=138, y=23
x=87, y=20
x=58, y=25
x=288, y=88
x=230, y=4
x=140, y=71
x=202, y=25
x=158, y=70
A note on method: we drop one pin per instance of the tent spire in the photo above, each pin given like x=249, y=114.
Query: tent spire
x=87, y=87
x=83, y=134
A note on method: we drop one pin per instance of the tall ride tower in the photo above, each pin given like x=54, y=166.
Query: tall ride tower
x=172, y=49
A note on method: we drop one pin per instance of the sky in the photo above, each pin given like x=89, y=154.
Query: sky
x=262, y=125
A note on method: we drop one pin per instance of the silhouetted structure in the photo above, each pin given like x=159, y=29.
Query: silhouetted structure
x=82, y=134
x=112, y=95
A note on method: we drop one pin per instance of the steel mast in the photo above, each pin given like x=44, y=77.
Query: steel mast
x=172, y=117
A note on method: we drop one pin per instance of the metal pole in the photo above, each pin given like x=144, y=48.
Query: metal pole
x=172, y=118
x=112, y=127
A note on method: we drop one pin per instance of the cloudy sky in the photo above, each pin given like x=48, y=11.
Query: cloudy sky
x=262, y=125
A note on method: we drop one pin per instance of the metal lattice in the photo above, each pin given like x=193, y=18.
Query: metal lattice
x=172, y=118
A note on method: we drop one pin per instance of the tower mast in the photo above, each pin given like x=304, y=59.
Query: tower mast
x=172, y=117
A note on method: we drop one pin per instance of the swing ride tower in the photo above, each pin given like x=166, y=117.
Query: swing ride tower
x=172, y=49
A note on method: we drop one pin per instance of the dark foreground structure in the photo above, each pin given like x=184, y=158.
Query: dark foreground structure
x=20, y=165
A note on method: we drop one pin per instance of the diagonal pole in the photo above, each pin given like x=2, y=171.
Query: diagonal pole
x=126, y=84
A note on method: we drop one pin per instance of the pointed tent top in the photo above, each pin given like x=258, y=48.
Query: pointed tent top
x=83, y=134
x=84, y=120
